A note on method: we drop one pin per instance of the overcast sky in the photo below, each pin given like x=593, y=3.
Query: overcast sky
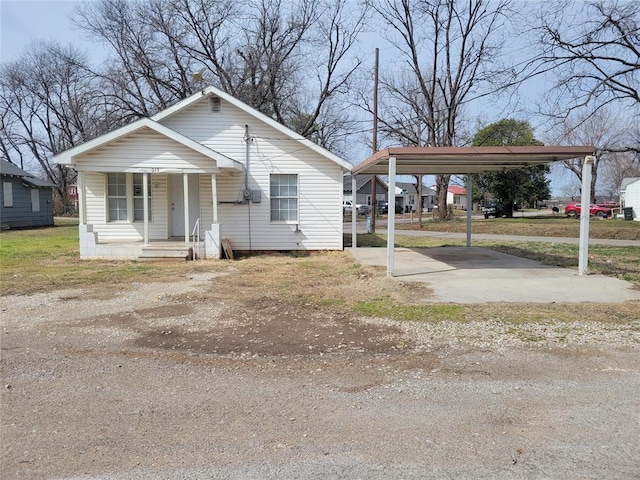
x=25, y=21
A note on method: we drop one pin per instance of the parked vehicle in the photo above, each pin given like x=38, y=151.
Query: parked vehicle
x=493, y=209
x=383, y=208
x=346, y=207
x=363, y=209
x=574, y=209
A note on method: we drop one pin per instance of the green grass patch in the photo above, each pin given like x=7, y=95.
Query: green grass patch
x=539, y=226
x=331, y=302
x=386, y=308
x=44, y=259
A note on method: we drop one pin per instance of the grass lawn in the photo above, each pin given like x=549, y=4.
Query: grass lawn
x=535, y=226
x=43, y=260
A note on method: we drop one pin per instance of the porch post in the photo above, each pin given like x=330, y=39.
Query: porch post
x=145, y=206
x=82, y=206
x=214, y=197
x=469, y=206
x=185, y=182
x=391, y=216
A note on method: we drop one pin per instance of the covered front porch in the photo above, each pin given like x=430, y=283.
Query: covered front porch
x=148, y=214
x=143, y=183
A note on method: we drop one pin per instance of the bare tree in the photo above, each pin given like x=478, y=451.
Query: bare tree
x=147, y=70
x=449, y=50
x=290, y=60
x=620, y=165
x=48, y=103
x=606, y=131
x=593, y=48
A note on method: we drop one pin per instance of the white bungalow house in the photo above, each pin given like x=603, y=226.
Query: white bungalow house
x=209, y=164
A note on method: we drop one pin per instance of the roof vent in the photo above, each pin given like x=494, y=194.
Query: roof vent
x=215, y=104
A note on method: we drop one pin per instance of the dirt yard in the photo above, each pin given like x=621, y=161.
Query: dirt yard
x=171, y=380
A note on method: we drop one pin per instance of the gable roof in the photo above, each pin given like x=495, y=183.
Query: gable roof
x=11, y=170
x=68, y=156
x=456, y=190
x=411, y=188
x=361, y=182
x=216, y=92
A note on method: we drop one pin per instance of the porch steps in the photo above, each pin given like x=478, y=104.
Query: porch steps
x=165, y=252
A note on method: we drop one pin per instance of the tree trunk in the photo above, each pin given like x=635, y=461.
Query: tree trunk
x=442, y=184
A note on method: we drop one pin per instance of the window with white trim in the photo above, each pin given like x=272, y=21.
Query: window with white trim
x=284, y=197
x=138, y=198
x=35, y=200
x=125, y=197
x=117, y=196
x=7, y=192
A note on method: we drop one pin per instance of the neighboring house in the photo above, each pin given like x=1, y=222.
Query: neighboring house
x=27, y=201
x=456, y=196
x=407, y=195
x=363, y=189
x=213, y=161
x=630, y=197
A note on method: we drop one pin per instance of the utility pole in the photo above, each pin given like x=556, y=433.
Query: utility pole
x=374, y=143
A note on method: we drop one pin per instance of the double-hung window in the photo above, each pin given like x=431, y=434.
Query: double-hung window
x=117, y=196
x=284, y=197
x=125, y=197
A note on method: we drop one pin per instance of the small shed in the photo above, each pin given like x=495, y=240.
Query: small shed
x=27, y=201
x=631, y=196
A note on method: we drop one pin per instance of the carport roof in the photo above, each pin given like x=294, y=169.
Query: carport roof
x=464, y=160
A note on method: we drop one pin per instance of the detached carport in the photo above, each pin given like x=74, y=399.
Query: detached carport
x=469, y=161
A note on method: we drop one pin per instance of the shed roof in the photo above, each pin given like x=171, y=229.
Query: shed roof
x=465, y=160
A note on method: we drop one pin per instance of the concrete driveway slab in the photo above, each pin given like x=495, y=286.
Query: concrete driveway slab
x=480, y=275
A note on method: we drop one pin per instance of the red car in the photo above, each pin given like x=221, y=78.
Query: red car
x=573, y=209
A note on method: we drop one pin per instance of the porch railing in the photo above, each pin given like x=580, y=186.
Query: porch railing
x=195, y=240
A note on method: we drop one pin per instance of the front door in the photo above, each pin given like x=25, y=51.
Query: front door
x=177, y=204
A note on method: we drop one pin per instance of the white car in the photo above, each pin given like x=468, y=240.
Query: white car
x=346, y=207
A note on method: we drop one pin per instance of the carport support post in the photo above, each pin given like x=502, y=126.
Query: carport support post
x=391, y=217
x=469, y=206
x=354, y=232
x=585, y=202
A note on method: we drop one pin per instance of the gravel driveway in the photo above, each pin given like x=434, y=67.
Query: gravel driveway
x=145, y=384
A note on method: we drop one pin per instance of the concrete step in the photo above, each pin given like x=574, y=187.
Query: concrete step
x=181, y=251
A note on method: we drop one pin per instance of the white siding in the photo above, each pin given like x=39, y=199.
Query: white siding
x=95, y=185
x=632, y=198
x=145, y=149
x=320, y=181
x=159, y=227
x=206, y=203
